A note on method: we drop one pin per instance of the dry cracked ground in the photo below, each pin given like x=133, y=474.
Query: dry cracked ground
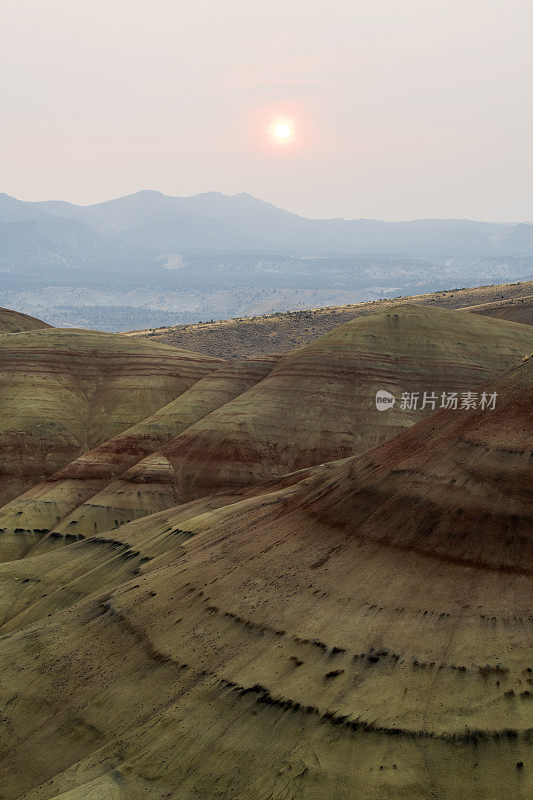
x=238, y=580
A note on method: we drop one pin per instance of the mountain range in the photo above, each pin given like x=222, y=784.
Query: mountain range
x=148, y=260
x=152, y=223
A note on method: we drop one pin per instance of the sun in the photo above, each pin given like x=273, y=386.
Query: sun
x=282, y=130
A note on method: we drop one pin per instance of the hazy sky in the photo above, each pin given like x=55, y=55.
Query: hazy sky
x=401, y=108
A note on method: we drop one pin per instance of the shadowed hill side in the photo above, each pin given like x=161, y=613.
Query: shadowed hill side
x=519, y=309
x=66, y=391
x=369, y=627
x=15, y=322
x=316, y=405
x=455, y=486
x=42, y=506
x=273, y=333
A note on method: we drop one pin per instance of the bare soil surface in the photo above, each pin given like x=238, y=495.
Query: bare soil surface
x=275, y=333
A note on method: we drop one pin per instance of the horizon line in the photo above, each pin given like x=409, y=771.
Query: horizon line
x=268, y=203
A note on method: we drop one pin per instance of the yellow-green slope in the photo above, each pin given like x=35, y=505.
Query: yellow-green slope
x=15, y=322
x=363, y=633
x=317, y=404
x=40, y=508
x=65, y=391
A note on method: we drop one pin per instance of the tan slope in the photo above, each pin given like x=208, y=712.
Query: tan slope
x=15, y=322
x=366, y=631
x=65, y=391
x=59, y=570
x=276, y=333
x=40, y=508
x=519, y=309
x=316, y=405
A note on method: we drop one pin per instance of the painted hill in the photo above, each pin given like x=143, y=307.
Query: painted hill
x=273, y=333
x=366, y=627
x=15, y=322
x=65, y=391
x=44, y=505
x=313, y=405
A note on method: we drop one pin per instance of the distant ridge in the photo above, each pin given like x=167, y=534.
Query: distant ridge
x=275, y=333
x=238, y=223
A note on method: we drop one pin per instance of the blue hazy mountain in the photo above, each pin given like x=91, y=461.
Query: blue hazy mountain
x=142, y=225
x=149, y=259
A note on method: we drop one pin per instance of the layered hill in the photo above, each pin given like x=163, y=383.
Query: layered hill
x=42, y=507
x=313, y=405
x=63, y=392
x=367, y=628
x=15, y=322
x=272, y=333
